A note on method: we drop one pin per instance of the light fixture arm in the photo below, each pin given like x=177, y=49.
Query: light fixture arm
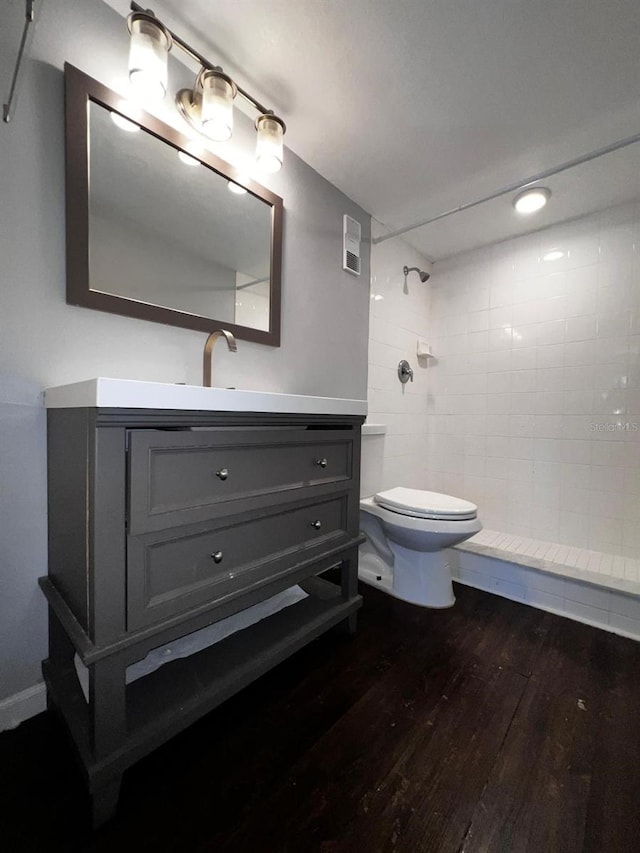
x=201, y=60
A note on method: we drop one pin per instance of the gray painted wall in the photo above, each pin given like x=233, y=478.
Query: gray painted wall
x=44, y=342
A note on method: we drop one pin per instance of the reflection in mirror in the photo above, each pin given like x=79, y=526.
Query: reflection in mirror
x=160, y=232
x=166, y=230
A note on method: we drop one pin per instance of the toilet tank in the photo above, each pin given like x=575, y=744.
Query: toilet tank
x=373, y=436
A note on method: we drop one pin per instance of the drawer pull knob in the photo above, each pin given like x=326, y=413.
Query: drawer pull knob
x=222, y=474
x=217, y=557
x=322, y=462
x=316, y=525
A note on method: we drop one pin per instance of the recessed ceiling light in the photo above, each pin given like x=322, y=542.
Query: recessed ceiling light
x=236, y=188
x=187, y=159
x=124, y=123
x=553, y=255
x=531, y=200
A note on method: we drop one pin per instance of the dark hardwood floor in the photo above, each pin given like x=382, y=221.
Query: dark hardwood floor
x=488, y=727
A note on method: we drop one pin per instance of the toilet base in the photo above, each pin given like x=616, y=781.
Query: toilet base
x=372, y=577
x=419, y=577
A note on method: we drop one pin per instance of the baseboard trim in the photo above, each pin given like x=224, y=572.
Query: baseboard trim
x=19, y=707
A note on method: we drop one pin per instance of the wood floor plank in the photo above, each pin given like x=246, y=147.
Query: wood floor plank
x=613, y=812
x=429, y=797
x=351, y=747
x=298, y=702
x=538, y=794
x=363, y=745
x=355, y=758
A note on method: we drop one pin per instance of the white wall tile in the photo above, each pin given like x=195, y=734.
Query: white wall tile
x=586, y=613
x=558, y=382
x=587, y=594
x=625, y=605
x=593, y=604
x=545, y=582
x=625, y=624
x=544, y=600
x=396, y=323
x=516, y=592
x=537, y=373
x=580, y=328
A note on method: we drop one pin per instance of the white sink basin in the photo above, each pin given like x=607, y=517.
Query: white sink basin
x=130, y=394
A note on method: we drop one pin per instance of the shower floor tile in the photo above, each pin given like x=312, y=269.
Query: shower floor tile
x=595, y=567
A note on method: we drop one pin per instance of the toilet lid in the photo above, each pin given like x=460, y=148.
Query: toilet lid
x=419, y=504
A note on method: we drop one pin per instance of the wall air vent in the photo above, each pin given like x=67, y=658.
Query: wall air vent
x=351, y=245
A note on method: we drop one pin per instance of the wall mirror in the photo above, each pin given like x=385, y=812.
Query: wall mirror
x=158, y=234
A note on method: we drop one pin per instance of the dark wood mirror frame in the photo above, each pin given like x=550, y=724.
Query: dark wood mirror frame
x=80, y=90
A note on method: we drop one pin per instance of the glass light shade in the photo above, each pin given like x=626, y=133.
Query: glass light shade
x=218, y=92
x=532, y=200
x=269, y=145
x=148, y=55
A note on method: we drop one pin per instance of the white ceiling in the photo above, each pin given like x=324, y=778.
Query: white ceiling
x=412, y=107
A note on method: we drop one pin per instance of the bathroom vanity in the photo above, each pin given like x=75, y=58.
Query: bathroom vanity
x=172, y=508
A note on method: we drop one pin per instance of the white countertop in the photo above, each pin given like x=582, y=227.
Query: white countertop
x=131, y=394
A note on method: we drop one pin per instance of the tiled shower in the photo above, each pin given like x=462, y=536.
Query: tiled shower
x=531, y=406
x=399, y=316
x=534, y=408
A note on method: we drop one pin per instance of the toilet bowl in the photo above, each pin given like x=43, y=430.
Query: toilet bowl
x=407, y=534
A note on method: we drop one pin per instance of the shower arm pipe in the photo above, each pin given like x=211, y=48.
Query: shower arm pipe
x=569, y=164
x=199, y=58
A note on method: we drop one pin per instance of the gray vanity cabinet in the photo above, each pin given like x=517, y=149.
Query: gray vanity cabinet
x=163, y=522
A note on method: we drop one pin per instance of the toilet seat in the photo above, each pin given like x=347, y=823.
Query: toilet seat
x=416, y=503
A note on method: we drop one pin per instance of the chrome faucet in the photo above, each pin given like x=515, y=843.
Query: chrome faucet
x=208, y=352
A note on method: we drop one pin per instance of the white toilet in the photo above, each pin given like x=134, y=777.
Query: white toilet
x=408, y=532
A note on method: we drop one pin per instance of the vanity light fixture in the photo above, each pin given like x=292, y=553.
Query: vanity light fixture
x=148, y=54
x=208, y=106
x=216, y=112
x=531, y=200
x=269, y=147
x=236, y=188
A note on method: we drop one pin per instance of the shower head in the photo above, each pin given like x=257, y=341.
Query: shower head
x=424, y=276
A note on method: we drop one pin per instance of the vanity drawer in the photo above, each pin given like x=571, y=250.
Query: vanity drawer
x=185, y=477
x=168, y=573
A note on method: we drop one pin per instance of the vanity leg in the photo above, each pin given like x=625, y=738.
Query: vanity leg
x=349, y=578
x=104, y=802
x=61, y=649
x=50, y=705
x=61, y=653
x=107, y=714
x=107, y=708
x=348, y=626
x=349, y=584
